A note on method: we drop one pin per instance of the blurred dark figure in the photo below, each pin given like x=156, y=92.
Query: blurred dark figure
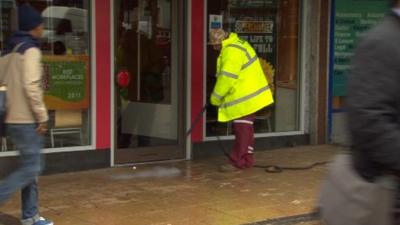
x=59, y=48
x=374, y=101
x=64, y=26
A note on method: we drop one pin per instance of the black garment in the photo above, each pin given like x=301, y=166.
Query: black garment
x=373, y=103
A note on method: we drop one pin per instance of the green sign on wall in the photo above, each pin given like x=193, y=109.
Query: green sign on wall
x=352, y=18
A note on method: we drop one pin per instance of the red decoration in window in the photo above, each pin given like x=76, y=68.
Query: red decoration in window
x=123, y=78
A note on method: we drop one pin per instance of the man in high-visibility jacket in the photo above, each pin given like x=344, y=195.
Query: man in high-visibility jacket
x=240, y=91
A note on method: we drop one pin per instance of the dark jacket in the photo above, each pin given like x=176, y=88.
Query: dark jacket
x=373, y=101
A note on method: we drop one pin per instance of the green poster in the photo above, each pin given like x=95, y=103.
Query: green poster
x=352, y=18
x=66, y=80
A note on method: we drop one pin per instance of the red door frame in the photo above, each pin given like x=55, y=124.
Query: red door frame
x=197, y=59
x=103, y=74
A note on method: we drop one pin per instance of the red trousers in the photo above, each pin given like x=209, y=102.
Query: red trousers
x=243, y=149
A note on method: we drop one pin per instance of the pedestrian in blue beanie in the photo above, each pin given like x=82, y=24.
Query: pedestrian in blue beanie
x=26, y=119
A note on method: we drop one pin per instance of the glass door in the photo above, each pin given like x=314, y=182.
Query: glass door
x=148, y=80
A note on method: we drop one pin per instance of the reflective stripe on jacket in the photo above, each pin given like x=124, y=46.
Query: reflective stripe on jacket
x=241, y=88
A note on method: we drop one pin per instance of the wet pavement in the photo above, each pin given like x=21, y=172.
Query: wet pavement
x=185, y=193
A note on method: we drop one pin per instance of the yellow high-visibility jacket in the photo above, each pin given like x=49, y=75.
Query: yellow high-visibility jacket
x=241, y=87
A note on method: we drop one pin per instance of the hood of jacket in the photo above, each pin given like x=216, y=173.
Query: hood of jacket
x=21, y=37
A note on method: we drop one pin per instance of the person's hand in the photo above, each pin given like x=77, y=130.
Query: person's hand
x=42, y=128
x=214, y=101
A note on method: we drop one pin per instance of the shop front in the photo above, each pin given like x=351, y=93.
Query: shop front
x=149, y=81
x=113, y=80
x=76, y=66
x=272, y=28
x=350, y=20
x=126, y=79
x=275, y=29
x=67, y=67
x=150, y=39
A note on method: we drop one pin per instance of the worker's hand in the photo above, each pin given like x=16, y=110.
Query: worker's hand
x=42, y=128
x=214, y=101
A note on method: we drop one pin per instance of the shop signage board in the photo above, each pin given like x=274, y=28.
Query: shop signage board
x=351, y=19
x=260, y=33
x=259, y=27
x=66, y=82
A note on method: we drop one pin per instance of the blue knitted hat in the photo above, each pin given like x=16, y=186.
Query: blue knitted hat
x=28, y=18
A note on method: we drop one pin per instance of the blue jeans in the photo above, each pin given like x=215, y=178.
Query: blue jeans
x=29, y=144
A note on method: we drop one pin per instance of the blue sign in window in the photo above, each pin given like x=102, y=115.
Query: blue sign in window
x=216, y=25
